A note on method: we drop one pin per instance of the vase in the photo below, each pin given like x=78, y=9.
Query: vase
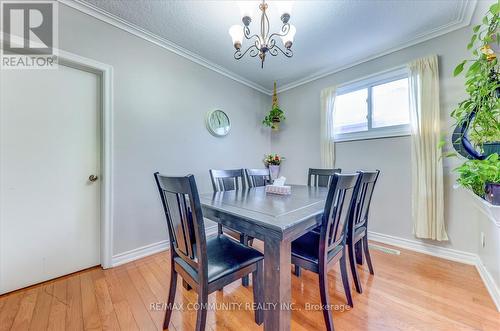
x=492, y=193
x=274, y=171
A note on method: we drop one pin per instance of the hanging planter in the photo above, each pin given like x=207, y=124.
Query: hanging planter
x=276, y=115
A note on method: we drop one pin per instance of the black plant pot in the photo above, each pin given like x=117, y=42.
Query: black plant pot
x=492, y=193
x=491, y=148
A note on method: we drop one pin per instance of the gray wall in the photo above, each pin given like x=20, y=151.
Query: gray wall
x=160, y=101
x=299, y=141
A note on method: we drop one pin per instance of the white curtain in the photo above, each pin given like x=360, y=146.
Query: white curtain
x=427, y=167
x=327, y=143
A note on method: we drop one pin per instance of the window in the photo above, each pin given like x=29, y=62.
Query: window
x=373, y=108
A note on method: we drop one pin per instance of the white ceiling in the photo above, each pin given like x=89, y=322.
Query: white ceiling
x=331, y=35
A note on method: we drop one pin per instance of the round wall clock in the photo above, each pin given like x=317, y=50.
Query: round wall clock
x=218, y=123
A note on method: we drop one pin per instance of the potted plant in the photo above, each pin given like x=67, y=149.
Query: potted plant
x=276, y=115
x=482, y=177
x=273, y=162
x=479, y=114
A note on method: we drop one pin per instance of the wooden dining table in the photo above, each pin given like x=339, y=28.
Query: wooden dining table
x=276, y=220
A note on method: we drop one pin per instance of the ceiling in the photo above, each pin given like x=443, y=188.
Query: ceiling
x=331, y=35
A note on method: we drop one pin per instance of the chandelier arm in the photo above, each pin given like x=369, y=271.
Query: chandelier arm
x=284, y=29
x=247, y=33
x=238, y=54
x=287, y=52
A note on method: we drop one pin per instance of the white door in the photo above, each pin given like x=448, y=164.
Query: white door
x=49, y=146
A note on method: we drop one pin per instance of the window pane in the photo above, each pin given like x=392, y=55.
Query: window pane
x=350, y=113
x=390, y=104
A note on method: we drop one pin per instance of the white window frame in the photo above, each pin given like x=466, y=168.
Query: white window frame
x=368, y=83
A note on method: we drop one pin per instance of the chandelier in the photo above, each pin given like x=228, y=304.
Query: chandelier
x=264, y=43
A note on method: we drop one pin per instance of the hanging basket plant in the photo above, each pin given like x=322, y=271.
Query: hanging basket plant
x=276, y=115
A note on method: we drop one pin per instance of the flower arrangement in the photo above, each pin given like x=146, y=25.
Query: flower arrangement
x=273, y=159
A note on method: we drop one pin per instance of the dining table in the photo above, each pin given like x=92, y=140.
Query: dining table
x=277, y=220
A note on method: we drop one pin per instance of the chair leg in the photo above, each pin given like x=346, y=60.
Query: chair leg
x=345, y=280
x=325, y=298
x=258, y=292
x=245, y=281
x=171, y=298
x=219, y=226
x=354, y=269
x=359, y=252
x=297, y=271
x=186, y=285
x=367, y=254
x=201, y=316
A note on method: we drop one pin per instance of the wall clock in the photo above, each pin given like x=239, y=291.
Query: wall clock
x=218, y=123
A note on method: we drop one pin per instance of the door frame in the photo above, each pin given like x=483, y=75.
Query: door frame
x=105, y=73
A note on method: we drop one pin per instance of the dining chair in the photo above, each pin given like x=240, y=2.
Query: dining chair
x=257, y=177
x=357, y=237
x=321, y=177
x=228, y=180
x=206, y=264
x=315, y=252
x=318, y=178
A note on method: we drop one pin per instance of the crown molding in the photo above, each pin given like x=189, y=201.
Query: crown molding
x=120, y=23
x=463, y=19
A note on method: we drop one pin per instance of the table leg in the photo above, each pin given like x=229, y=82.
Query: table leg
x=277, y=285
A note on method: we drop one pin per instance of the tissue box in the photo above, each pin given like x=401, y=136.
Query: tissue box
x=275, y=189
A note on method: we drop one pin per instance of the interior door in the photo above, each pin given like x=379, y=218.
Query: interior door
x=49, y=146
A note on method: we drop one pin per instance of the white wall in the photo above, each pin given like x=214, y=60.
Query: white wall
x=160, y=101
x=299, y=141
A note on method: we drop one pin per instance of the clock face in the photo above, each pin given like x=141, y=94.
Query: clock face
x=218, y=123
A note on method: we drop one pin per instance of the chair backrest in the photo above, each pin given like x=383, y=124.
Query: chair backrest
x=367, y=181
x=186, y=228
x=227, y=180
x=339, y=206
x=321, y=177
x=257, y=177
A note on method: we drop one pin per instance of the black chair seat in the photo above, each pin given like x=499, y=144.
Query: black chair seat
x=225, y=256
x=307, y=248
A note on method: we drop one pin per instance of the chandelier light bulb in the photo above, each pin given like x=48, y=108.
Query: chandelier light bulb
x=236, y=33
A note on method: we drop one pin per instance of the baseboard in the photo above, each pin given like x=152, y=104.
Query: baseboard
x=444, y=253
x=421, y=247
x=490, y=284
x=140, y=252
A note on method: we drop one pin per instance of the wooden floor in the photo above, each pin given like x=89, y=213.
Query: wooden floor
x=410, y=291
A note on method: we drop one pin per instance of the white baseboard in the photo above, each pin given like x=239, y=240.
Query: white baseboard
x=421, y=247
x=444, y=253
x=490, y=284
x=140, y=252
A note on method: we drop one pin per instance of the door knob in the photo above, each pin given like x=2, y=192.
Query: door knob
x=93, y=178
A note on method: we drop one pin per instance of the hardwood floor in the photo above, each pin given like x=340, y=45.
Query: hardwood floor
x=410, y=291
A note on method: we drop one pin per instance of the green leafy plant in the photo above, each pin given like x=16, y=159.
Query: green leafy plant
x=474, y=174
x=482, y=81
x=275, y=116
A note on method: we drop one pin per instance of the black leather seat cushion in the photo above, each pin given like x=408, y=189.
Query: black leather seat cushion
x=225, y=256
x=307, y=247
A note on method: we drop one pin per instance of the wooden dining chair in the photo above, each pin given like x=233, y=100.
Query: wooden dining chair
x=206, y=264
x=318, y=178
x=357, y=237
x=321, y=177
x=228, y=180
x=316, y=252
x=257, y=177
